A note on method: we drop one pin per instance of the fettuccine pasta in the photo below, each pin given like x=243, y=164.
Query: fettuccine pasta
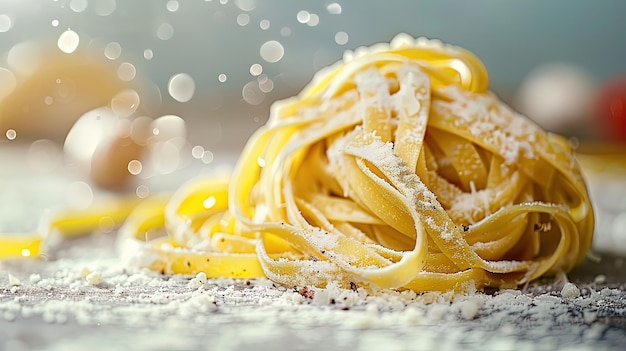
x=394, y=168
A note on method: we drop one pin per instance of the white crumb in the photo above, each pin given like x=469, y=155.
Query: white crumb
x=85, y=272
x=198, y=304
x=469, y=309
x=34, y=278
x=14, y=281
x=198, y=281
x=94, y=278
x=570, y=291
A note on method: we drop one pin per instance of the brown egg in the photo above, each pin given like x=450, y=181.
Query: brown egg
x=115, y=162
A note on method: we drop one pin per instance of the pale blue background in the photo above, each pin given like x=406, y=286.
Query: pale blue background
x=511, y=37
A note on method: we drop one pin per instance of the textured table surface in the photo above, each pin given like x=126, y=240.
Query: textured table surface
x=83, y=298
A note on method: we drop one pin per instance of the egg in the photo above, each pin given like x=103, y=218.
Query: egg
x=107, y=149
x=115, y=162
x=91, y=129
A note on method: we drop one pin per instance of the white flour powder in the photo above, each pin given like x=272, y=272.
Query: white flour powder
x=88, y=287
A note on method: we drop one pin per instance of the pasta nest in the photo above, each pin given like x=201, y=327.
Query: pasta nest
x=395, y=168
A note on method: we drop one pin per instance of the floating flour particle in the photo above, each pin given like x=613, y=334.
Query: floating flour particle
x=13, y=281
x=34, y=278
x=570, y=291
x=94, y=278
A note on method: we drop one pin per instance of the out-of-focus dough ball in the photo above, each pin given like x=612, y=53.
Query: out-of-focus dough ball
x=48, y=90
x=558, y=96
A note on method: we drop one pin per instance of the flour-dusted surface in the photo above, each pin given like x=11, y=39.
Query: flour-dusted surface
x=82, y=298
x=57, y=306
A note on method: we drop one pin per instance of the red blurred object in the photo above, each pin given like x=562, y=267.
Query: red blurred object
x=610, y=107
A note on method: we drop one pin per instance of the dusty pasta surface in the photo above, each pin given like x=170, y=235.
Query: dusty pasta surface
x=396, y=168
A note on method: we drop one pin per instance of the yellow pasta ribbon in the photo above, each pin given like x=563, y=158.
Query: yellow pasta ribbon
x=395, y=168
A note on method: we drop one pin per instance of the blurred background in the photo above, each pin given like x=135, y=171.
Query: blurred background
x=197, y=77
x=218, y=64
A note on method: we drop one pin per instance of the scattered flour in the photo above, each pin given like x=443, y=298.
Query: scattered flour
x=60, y=293
x=86, y=299
x=93, y=278
x=570, y=291
x=469, y=309
x=13, y=281
x=198, y=281
x=34, y=278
